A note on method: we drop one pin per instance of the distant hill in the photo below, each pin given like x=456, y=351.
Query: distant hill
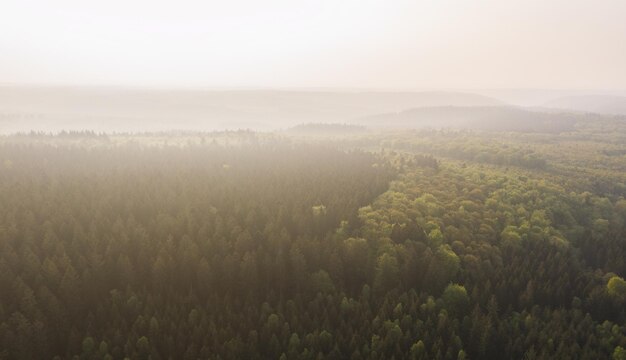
x=601, y=104
x=491, y=118
x=123, y=109
x=326, y=129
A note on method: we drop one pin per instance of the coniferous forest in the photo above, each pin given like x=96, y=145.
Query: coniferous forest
x=312, y=180
x=425, y=244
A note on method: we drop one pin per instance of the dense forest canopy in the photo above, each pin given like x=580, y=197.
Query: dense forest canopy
x=429, y=244
x=312, y=180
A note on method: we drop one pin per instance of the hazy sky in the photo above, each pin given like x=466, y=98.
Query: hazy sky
x=413, y=44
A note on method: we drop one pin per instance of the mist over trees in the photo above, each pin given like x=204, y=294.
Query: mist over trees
x=312, y=180
x=424, y=244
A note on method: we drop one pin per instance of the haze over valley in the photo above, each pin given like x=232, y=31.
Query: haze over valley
x=111, y=109
x=313, y=180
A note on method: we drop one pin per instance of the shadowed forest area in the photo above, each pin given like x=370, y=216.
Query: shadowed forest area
x=309, y=244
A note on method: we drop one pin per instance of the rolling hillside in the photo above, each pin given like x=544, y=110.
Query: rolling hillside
x=117, y=109
x=600, y=104
x=493, y=118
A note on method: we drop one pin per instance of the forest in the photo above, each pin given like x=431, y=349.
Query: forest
x=422, y=244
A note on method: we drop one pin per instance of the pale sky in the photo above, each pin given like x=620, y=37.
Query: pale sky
x=386, y=44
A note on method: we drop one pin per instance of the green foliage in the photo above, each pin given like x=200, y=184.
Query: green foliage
x=511, y=237
x=387, y=272
x=616, y=287
x=619, y=353
x=455, y=298
x=418, y=350
x=143, y=347
x=435, y=238
x=449, y=261
x=319, y=210
x=117, y=249
x=88, y=346
x=321, y=282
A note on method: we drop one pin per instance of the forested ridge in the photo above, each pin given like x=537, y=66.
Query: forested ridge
x=429, y=245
